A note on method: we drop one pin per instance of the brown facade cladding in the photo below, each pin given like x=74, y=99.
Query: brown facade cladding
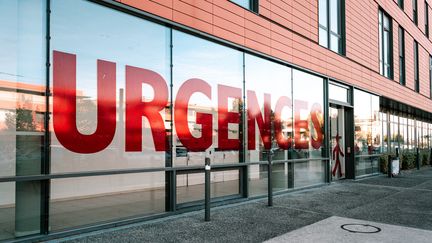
x=288, y=30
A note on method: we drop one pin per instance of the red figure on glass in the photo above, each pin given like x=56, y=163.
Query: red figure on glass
x=336, y=152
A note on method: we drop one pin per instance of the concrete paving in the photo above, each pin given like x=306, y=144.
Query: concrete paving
x=397, y=205
x=338, y=229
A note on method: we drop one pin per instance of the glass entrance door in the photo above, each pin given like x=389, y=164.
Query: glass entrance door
x=337, y=142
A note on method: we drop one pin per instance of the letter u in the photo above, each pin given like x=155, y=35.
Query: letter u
x=64, y=105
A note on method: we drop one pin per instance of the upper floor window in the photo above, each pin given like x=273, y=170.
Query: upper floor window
x=385, y=45
x=427, y=19
x=430, y=76
x=415, y=15
x=332, y=25
x=416, y=67
x=401, y=41
x=252, y=5
x=401, y=4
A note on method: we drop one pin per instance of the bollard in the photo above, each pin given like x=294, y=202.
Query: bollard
x=269, y=184
x=207, y=189
x=418, y=158
x=430, y=156
x=389, y=166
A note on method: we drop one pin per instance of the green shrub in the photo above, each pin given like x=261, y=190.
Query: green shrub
x=383, y=160
x=424, y=158
x=408, y=160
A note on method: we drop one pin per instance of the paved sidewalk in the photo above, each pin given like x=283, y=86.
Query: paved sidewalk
x=403, y=201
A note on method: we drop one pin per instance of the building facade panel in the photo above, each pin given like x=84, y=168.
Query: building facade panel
x=251, y=42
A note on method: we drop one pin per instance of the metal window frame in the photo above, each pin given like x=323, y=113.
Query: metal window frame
x=426, y=19
x=416, y=67
x=430, y=76
x=401, y=39
x=383, y=60
x=341, y=27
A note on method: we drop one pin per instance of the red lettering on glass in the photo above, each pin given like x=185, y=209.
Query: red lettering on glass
x=136, y=108
x=225, y=116
x=65, y=124
x=283, y=142
x=264, y=123
x=316, y=113
x=64, y=105
x=299, y=142
x=181, y=116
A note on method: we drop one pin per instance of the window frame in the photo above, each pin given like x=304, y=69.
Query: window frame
x=415, y=11
x=416, y=67
x=401, y=54
x=401, y=4
x=341, y=27
x=426, y=19
x=430, y=76
x=385, y=62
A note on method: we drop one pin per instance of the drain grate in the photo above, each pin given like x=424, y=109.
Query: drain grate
x=360, y=228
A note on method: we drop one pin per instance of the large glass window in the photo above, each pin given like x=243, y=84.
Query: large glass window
x=385, y=45
x=110, y=94
x=368, y=132
x=402, y=56
x=270, y=119
x=308, y=115
x=416, y=67
x=415, y=11
x=208, y=105
x=208, y=100
x=308, y=128
x=331, y=25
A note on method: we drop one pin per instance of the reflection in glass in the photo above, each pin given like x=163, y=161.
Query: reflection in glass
x=208, y=90
x=368, y=141
x=22, y=108
x=269, y=127
x=243, y=3
x=147, y=47
x=363, y=123
x=308, y=115
x=89, y=200
x=337, y=142
x=190, y=187
x=7, y=210
x=208, y=104
x=309, y=173
x=338, y=93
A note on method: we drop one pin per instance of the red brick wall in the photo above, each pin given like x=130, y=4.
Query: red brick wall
x=288, y=29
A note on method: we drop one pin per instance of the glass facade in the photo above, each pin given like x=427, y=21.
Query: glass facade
x=101, y=128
